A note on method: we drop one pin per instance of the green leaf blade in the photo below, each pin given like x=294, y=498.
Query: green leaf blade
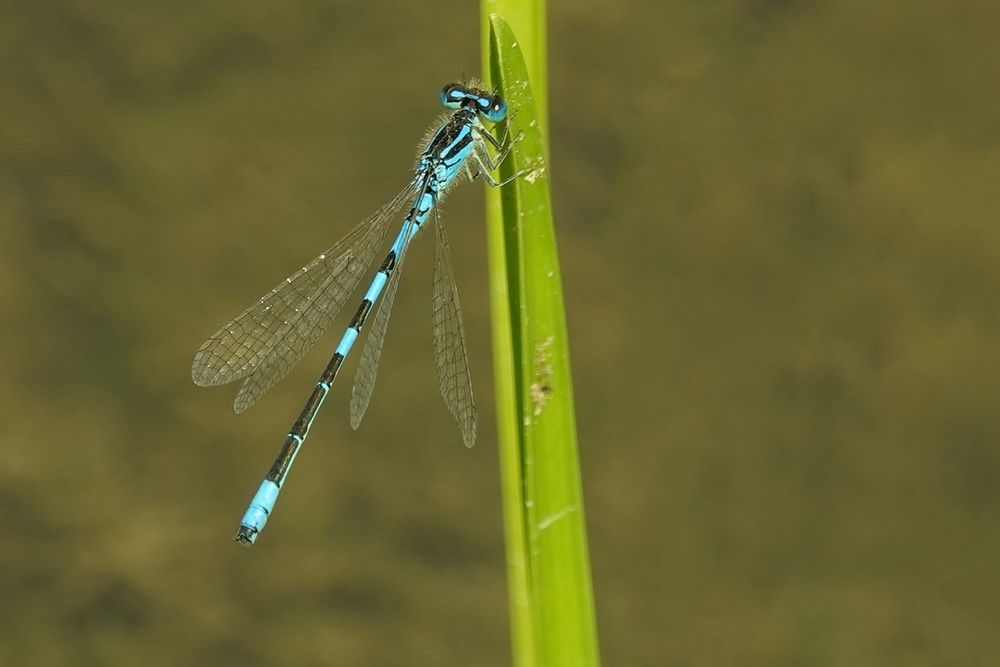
x=552, y=603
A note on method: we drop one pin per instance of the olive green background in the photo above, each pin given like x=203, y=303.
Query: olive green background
x=779, y=225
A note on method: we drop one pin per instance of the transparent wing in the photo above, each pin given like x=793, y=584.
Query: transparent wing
x=450, y=355
x=263, y=343
x=364, y=380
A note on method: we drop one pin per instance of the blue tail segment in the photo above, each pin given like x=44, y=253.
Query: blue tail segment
x=262, y=344
x=257, y=513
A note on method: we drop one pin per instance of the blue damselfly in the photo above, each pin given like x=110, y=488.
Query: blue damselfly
x=262, y=344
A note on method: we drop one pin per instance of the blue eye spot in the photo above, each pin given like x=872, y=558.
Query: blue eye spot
x=452, y=95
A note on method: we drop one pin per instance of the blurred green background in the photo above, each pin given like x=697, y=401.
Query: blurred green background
x=778, y=223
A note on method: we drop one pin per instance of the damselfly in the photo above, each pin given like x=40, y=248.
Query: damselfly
x=262, y=344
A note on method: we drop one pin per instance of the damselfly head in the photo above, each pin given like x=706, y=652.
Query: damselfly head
x=492, y=107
